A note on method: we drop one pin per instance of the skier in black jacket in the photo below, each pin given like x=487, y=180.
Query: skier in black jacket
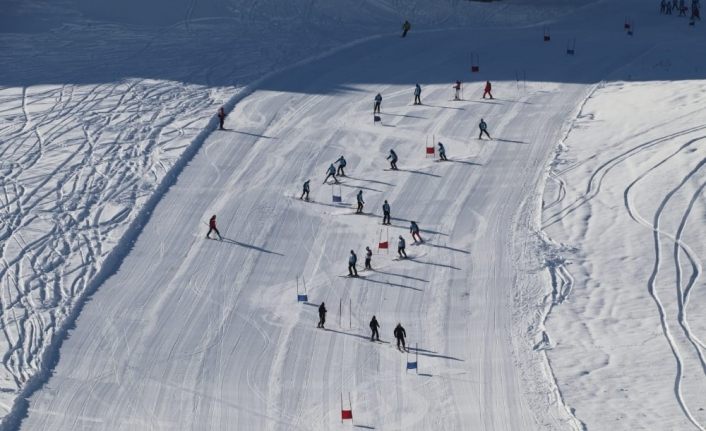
x=400, y=335
x=322, y=316
x=374, y=325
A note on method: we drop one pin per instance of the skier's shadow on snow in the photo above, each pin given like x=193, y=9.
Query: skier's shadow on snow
x=484, y=102
x=400, y=275
x=465, y=162
x=361, y=187
x=351, y=334
x=445, y=107
x=253, y=247
x=413, y=259
x=372, y=181
x=249, y=134
x=406, y=116
x=388, y=283
x=514, y=101
x=448, y=248
x=511, y=141
x=432, y=354
x=412, y=171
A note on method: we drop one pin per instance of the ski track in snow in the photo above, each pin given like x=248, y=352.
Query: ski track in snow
x=671, y=152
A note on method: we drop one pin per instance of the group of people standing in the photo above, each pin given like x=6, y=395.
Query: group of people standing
x=667, y=7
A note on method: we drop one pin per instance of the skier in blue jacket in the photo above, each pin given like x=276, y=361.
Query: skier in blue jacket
x=483, y=126
x=400, y=248
x=376, y=106
x=393, y=160
x=359, y=199
x=351, y=264
x=414, y=230
x=386, y=213
x=341, y=164
x=331, y=173
x=417, y=95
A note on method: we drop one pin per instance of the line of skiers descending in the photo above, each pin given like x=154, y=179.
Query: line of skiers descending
x=399, y=332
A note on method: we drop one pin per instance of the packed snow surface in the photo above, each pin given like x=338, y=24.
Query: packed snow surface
x=118, y=314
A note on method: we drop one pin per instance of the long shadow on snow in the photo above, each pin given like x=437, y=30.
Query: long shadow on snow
x=350, y=334
x=372, y=181
x=387, y=283
x=511, y=141
x=415, y=260
x=252, y=247
x=447, y=248
x=401, y=275
x=465, y=163
x=249, y=134
x=360, y=187
x=432, y=354
x=412, y=171
x=445, y=107
x=406, y=116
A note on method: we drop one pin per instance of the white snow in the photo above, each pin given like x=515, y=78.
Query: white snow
x=117, y=314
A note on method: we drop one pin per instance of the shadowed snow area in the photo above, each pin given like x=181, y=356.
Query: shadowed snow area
x=118, y=314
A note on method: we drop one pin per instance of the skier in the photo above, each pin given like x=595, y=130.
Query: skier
x=305, y=190
x=368, y=257
x=221, y=117
x=695, y=13
x=400, y=248
x=376, y=106
x=405, y=28
x=212, y=228
x=662, y=6
x=400, y=335
x=487, y=90
x=483, y=126
x=351, y=264
x=322, y=316
x=341, y=164
x=682, y=8
x=393, y=160
x=457, y=87
x=331, y=173
x=669, y=8
x=374, y=325
x=386, y=213
x=442, y=152
x=359, y=198
x=417, y=95
x=414, y=230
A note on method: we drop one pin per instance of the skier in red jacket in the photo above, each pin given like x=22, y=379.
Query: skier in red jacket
x=212, y=228
x=487, y=90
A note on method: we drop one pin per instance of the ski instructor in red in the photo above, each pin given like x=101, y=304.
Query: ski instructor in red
x=488, y=87
x=212, y=228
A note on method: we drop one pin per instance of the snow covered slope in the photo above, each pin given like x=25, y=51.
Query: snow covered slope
x=205, y=335
x=630, y=337
x=201, y=334
x=99, y=107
